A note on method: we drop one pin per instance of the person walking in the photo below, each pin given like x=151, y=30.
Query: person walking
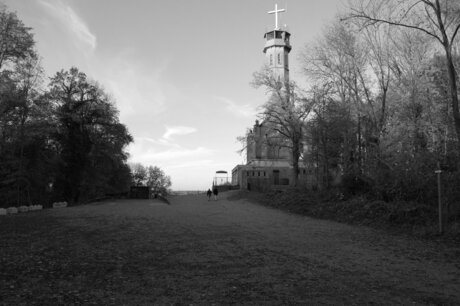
x=215, y=191
x=209, y=193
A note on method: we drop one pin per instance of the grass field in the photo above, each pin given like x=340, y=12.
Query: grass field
x=195, y=252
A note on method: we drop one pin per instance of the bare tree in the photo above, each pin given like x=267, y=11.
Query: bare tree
x=439, y=20
x=379, y=45
x=284, y=113
x=340, y=59
x=414, y=110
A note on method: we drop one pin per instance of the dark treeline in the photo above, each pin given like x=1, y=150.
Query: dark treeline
x=58, y=141
x=382, y=108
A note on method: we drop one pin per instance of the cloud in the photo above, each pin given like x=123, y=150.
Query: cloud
x=160, y=142
x=164, y=151
x=178, y=130
x=189, y=168
x=67, y=16
x=244, y=111
x=137, y=86
x=139, y=90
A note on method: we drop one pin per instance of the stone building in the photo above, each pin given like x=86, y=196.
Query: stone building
x=269, y=166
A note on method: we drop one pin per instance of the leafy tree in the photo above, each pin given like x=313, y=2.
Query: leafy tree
x=157, y=180
x=139, y=174
x=91, y=139
x=16, y=39
x=65, y=143
x=151, y=176
x=20, y=83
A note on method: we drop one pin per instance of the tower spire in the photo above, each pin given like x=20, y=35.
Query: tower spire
x=277, y=48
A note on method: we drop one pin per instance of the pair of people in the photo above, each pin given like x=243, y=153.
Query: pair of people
x=215, y=191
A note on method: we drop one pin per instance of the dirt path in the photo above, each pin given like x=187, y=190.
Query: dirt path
x=225, y=252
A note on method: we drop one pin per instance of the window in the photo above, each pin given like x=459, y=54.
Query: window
x=279, y=59
x=258, y=173
x=271, y=59
x=276, y=177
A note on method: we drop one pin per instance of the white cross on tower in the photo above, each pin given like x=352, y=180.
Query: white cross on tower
x=276, y=11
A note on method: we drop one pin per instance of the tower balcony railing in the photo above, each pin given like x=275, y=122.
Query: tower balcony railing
x=283, y=27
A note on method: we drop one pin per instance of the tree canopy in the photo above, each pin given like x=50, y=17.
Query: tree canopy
x=151, y=176
x=381, y=95
x=61, y=141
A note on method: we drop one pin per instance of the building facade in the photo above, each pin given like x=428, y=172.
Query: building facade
x=269, y=166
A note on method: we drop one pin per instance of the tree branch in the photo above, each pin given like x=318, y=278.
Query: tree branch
x=454, y=34
x=373, y=20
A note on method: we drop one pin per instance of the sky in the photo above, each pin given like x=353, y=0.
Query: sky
x=179, y=71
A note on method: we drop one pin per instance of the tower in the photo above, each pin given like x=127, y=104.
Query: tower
x=277, y=48
x=268, y=163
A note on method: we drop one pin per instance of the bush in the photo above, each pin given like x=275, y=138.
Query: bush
x=410, y=178
x=355, y=184
x=357, y=209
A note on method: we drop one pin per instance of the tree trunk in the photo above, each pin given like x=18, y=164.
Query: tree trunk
x=453, y=92
x=295, y=163
x=325, y=178
x=360, y=151
x=447, y=44
x=21, y=154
